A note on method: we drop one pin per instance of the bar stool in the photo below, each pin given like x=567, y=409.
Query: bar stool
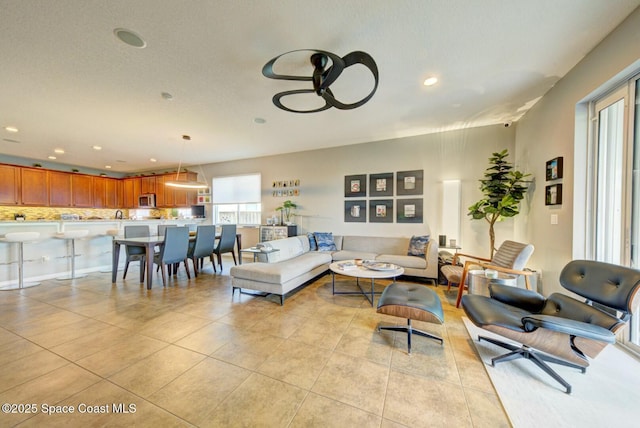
x=72, y=235
x=20, y=238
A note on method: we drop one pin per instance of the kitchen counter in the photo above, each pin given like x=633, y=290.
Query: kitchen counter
x=48, y=257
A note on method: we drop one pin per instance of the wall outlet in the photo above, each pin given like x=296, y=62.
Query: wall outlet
x=45, y=258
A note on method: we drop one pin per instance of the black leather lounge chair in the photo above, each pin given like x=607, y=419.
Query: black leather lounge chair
x=559, y=329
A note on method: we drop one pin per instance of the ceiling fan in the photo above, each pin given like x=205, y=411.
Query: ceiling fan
x=322, y=78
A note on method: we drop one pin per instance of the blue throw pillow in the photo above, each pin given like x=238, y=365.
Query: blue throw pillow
x=417, y=245
x=325, y=241
x=313, y=245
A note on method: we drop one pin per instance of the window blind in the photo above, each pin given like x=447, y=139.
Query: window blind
x=237, y=189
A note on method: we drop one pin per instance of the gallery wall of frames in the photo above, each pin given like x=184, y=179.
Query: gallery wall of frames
x=384, y=197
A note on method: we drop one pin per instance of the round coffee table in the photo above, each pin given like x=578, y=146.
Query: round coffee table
x=371, y=270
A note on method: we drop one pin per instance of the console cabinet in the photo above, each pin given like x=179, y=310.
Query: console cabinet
x=271, y=233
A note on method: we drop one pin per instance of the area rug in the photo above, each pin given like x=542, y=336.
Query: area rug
x=607, y=395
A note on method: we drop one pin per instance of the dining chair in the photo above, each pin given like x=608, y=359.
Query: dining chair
x=226, y=244
x=163, y=227
x=173, y=250
x=135, y=253
x=202, y=247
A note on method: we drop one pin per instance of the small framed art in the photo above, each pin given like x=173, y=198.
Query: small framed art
x=355, y=185
x=553, y=194
x=381, y=211
x=355, y=211
x=409, y=183
x=409, y=211
x=554, y=169
x=381, y=184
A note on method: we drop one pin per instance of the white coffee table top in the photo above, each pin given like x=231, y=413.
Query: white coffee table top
x=376, y=270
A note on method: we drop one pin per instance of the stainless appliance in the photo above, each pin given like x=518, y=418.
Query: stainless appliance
x=147, y=200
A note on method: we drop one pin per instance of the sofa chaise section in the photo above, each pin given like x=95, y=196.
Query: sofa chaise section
x=290, y=267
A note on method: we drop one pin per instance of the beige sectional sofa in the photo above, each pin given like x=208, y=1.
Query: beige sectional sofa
x=296, y=264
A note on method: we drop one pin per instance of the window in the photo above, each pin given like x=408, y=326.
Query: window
x=237, y=199
x=613, y=227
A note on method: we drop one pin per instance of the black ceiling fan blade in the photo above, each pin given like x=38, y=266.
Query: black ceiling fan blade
x=277, y=97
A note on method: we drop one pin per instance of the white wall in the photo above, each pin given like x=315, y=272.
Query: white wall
x=549, y=130
x=452, y=155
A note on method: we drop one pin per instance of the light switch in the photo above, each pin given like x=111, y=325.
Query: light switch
x=554, y=218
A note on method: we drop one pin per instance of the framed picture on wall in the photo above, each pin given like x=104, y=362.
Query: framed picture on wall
x=554, y=169
x=381, y=211
x=409, y=183
x=381, y=184
x=355, y=211
x=553, y=195
x=355, y=186
x=409, y=211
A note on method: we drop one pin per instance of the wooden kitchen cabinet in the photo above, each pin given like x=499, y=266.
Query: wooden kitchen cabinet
x=59, y=188
x=105, y=193
x=131, y=191
x=148, y=185
x=34, y=188
x=113, y=192
x=176, y=196
x=81, y=191
x=9, y=185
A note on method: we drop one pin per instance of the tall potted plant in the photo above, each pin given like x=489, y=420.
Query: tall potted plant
x=503, y=189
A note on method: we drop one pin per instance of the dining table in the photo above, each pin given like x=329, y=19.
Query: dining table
x=149, y=243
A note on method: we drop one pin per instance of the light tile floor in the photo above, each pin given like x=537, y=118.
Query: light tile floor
x=191, y=354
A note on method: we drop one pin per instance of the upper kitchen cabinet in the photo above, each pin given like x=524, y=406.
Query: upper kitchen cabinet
x=9, y=185
x=59, y=188
x=147, y=185
x=81, y=191
x=106, y=193
x=34, y=189
x=131, y=191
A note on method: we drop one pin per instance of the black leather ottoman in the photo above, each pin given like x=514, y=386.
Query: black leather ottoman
x=411, y=301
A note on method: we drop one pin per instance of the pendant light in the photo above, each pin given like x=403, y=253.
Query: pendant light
x=185, y=184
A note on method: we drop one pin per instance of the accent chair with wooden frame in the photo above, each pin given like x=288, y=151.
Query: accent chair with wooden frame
x=511, y=258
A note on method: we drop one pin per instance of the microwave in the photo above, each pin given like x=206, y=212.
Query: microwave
x=147, y=201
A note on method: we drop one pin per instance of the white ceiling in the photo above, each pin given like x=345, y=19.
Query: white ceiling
x=67, y=82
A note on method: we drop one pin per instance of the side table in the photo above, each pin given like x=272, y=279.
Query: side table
x=478, y=282
x=256, y=251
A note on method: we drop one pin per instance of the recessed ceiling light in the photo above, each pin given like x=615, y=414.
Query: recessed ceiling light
x=11, y=129
x=430, y=81
x=259, y=120
x=59, y=151
x=130, y=38
x=153, y=160
x=97, y=147
x=52, y=157
x=108, y=166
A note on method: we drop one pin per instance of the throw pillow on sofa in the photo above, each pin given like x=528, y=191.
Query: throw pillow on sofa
x=313, y=245
x=325, y=241
x=417, y=245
